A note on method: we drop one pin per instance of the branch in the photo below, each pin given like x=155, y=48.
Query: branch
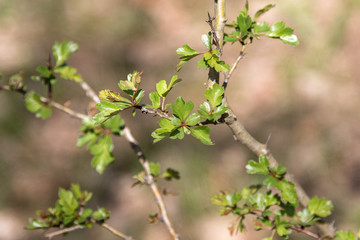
x=115, y=232
x=145, y=164
x=52, y=103
x=243, y=136
x=62, y=231
x=150, y=181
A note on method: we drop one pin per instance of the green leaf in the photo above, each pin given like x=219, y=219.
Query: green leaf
x=102, y=152
x=68, y=73
x=84, y=215
x=193, y=119
x=101, y=214
x=107, y=110
x=221, y=66
x=188, y=53
x=202, y=64
x=177, y=133
x=342, y=235
x=180, y=65
x=161, y=88
x=282, y=227
x=206, y=39
x=174, y=80
x=214, y=95
x=170, y=174
x=75, y=188
x=89, y=137
x=181, y=109
x=261, y=28
x=263, y=10
x=276, y=29
x=68, y=204
x=260, y=167
x=220, y=110
x=139, y=95
x=63, y=50
x=44, y=71
x=34, y=104
x=186, y=50
x=36, y=223
x=320, y=207
x=290, y=39
x=115, y=124
x=154, y=169
x=288, y=191
x=202, y=133
x=155, y=99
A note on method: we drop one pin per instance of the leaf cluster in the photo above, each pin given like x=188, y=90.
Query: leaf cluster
x=246, y=28
x=155, y=169
x=276, y=208
x=99, y=140
x=70, y=210
x=61, y=52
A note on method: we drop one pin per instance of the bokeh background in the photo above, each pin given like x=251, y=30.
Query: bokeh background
x=307, y=98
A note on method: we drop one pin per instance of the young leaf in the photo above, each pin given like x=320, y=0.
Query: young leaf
x=89, y=137
x=320, y=207
x=34, y=104
x=186, y=50
x=214, y=95
x=342, y=235
x=101, y=214
x=202, y=133
x=102, y=152
x=193, y=119
x=206, y=39
x=282, y=227
x=170, y=174
x=188, y=53
x=115, y=124
x=182, y=109
x=161, y=88
x=68, y=73
x=261, y=28
x=288, y=192
x=263, y=10
x=107, y=110
x=154, y=169
x=63, y=50
x=36, y=223
x=261, y=167
x=155, y=100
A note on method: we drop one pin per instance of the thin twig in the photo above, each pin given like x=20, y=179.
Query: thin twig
x=150, y=180
x=62, y=231
x=233, y=67
x=56, y=105
x=213, y=32
x=114, y=231
x=243, y=136
x=145, y=164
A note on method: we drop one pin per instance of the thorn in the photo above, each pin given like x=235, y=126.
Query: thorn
x=267, y=141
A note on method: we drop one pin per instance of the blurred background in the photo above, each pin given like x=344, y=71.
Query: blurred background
x=306, y=97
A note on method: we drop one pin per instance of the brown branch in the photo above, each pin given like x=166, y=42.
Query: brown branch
x=150, y=181
x=115, y=232
x=145, y=164
x=62, y=231
x=54, y=104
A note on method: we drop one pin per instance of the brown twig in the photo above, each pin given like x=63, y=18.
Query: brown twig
x=62, y=231
x=115, y=232
x=150, y=181
x=145, y=164
x=244, y=137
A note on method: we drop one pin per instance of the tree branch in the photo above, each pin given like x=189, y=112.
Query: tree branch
x=150, y=181
x=145, y=164
x=62, y=231
x=115, y=232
